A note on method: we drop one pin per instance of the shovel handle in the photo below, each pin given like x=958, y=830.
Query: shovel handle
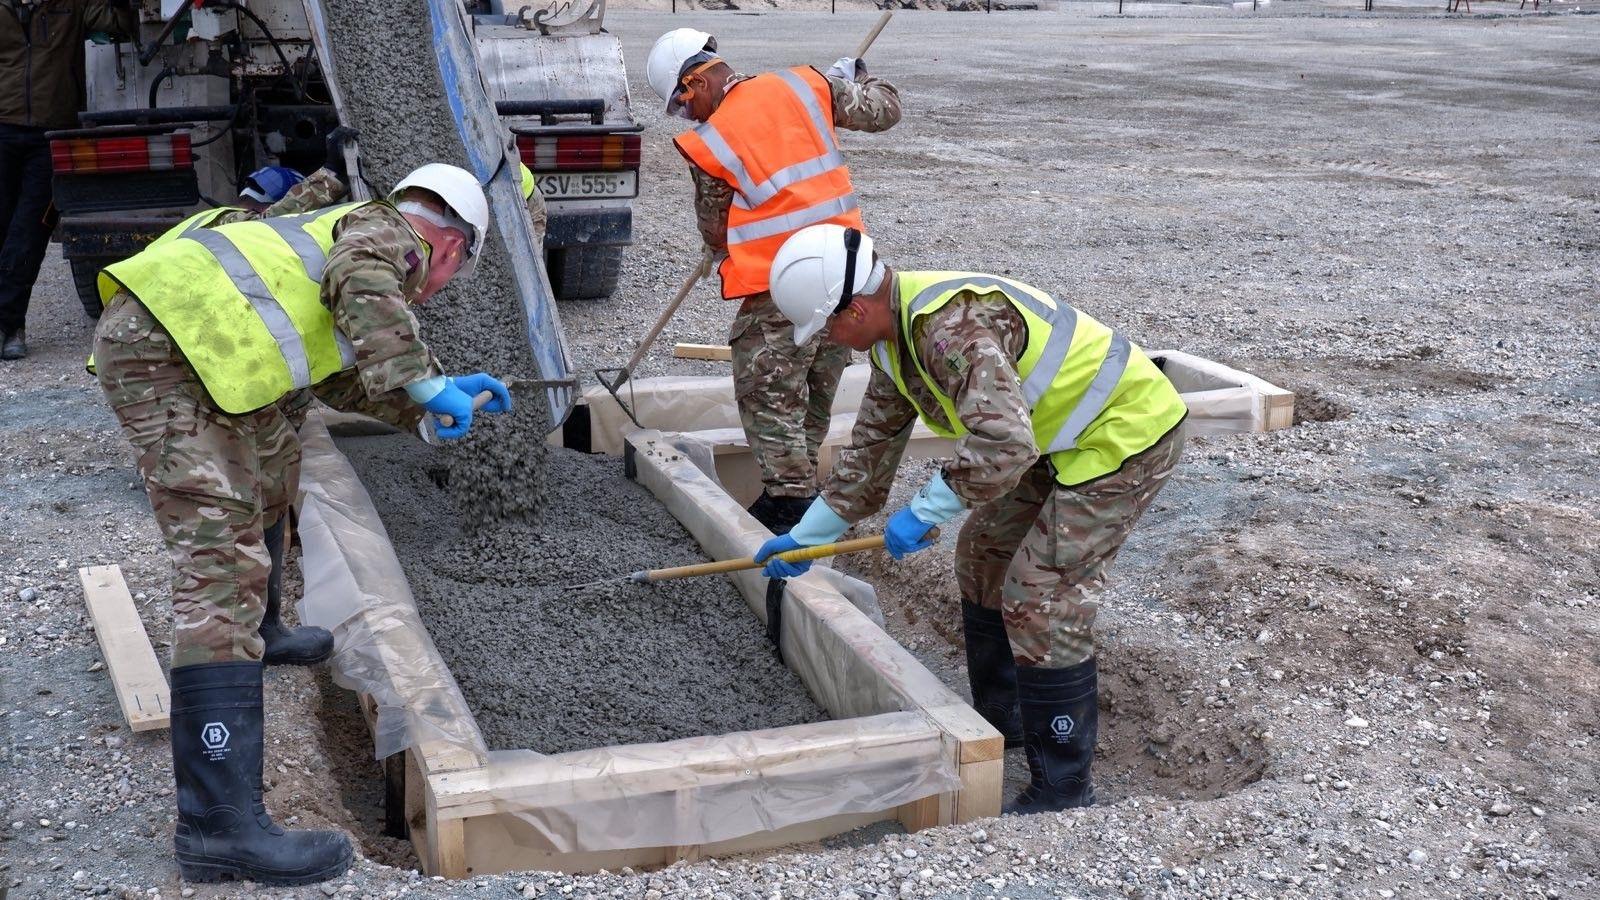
x=666, y=316
x=802, y=554
x=483, y=397
x=873, y=34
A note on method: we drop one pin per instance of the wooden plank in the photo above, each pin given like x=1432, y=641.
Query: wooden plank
x=1276, y=405
x=130, y=660
x=447, y=846
x=920, y=814
x=982, y=784
x=713, y=352
x=498, y=843
x=674, y=767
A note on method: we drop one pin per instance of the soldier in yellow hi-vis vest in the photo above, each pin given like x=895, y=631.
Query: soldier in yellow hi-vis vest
x=208, y=337
x=1064, y=431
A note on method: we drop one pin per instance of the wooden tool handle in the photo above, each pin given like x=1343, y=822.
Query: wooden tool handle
x=699, y=272
x=873, y=34
x=477, y=404
x=801, y=554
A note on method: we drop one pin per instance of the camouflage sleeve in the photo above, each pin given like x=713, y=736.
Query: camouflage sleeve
x=345, y=392
x=538, y=216
x=863, y=473
x=870, y=104
x=364, y=285
x=968, y=349
x=712, y=197
x=235, y=214
x=321, y=188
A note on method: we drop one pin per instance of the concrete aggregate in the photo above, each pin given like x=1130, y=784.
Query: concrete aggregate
x=384, y=55
x=554, y=669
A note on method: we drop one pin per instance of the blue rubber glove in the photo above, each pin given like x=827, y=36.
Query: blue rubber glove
x=451, y=401
x=905, y=534
x=777, y=568
x=473, y=385
x=820, y=525
x=932, y=506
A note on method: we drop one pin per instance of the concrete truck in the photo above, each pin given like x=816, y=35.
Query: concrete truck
x=213, y=89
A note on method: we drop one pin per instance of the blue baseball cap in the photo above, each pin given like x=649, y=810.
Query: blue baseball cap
x=269, y=184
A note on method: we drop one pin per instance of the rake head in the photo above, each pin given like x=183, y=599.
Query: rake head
x=613, y=380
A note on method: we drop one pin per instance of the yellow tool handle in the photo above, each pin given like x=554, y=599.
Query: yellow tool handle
x=802, y=554
x=477, y=404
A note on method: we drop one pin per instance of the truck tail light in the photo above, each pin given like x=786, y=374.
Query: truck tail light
x=586, y=152
x=140, y=153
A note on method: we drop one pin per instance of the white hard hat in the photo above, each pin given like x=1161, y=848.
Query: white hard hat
x=462, y=193
x=672, y=52
x=808, y=275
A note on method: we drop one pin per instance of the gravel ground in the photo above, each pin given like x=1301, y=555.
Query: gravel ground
x=1351, y=659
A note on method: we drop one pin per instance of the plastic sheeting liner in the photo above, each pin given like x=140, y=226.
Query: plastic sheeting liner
x=693, y=791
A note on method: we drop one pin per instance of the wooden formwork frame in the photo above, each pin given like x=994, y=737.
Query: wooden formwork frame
x=1221, y=399
x=886, y=707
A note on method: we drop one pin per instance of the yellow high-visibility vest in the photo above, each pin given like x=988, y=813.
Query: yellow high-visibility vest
x=1095, y=399
x=243, y=302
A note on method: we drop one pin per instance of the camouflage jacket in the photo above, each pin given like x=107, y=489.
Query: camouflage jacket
x=376, y=264
x=320, y=188
x=867, y=104
x=970, y=348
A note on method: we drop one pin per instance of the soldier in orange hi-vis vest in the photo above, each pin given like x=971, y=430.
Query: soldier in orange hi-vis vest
x=766, y=163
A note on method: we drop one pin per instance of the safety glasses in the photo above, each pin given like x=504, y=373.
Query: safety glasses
x=681, y=97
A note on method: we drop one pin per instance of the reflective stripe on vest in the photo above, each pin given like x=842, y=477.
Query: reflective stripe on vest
x=751, y=195
x=772, y=140
x=1063, y=322
x=243, y=303
x=1051, y=372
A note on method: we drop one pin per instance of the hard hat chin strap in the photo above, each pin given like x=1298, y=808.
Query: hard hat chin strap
x=852, y=248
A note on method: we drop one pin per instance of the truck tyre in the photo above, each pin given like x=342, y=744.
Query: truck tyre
x=584, y=273
x=85, y=274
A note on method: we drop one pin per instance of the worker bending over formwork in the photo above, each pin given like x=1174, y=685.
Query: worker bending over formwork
x=211, y=343
x=765, y=162
x=1064, y=431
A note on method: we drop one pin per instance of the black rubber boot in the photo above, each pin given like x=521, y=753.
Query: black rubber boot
x=303, y=646
x=15, y=346
x=1060, y=715
x=991, y=671
x=223, y=827
x=779, y=514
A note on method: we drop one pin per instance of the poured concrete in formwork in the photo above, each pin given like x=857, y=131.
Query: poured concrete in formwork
x=393, y=95
x=552, y=668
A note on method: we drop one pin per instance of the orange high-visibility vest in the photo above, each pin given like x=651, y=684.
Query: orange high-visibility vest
x=772, y=140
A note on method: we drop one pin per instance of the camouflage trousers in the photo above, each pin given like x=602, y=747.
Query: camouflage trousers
x=215, y=483
x=785, y=394
x=1040, y=553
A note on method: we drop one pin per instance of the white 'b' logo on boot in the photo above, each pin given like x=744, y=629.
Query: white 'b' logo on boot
x=214, y=735
x=1061, y=727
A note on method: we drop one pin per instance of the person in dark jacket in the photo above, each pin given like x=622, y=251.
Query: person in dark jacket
x=41, y=88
